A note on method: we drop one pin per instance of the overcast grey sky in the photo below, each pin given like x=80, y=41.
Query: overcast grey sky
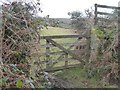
x=60, y=8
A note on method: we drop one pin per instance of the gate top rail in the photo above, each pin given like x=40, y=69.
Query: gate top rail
x=105, y=6
x=61, y=36
x=103, y=13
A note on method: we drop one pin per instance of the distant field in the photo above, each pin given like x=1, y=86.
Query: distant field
x=56, y=31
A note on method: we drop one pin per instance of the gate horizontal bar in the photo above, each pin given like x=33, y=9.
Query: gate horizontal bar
x=61, y=36
x=105, y=6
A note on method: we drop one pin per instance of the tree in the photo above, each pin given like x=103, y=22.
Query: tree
x=77, y=20
x=54, y=22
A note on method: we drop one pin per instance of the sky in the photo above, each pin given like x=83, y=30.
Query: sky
x=60, y=8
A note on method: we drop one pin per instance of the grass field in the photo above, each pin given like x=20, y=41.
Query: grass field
x=56, y=31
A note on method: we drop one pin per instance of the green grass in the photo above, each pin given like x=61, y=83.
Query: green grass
x=78, y=78
x=73, y=76
x=56, y=31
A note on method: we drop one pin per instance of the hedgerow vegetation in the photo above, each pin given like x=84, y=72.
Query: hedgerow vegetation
x=20, y=41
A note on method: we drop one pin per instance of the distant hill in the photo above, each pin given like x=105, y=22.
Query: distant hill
x=63, y=22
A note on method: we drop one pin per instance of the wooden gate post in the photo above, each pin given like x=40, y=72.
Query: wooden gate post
x=1, y=39
x=95, y=15
x=47, y=55
x=88, y=51
x=66, y=59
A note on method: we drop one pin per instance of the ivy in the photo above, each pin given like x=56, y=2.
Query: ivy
x=19, y=83
x=99, y=33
